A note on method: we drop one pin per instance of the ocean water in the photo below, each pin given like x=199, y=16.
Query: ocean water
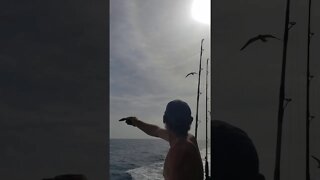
x=140, y=159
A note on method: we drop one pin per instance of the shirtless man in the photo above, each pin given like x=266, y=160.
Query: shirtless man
x=183, y=161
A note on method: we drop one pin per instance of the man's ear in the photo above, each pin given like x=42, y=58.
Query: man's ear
x=164, y=118
x=191, y=119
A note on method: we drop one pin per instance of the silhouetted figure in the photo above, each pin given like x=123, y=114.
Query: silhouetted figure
x=263, y=38
x=192, y=73
x=234, y=156
x=68, y=177
x=318, y=160
x=183, y=161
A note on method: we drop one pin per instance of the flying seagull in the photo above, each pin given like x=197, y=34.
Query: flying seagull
x=192, y=73
x=263, y=38
x=318, y=160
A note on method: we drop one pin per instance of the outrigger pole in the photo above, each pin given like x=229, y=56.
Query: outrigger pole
x=309, y=78
x=282, y=98
x=198, y=93
x=206, y=158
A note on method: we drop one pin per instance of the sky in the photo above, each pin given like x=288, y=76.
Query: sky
x=245, y=84
x=153, y=46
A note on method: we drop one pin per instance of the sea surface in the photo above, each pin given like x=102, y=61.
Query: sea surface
x=140, y=159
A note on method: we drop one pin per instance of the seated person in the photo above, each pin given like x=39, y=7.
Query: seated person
x=234, y=156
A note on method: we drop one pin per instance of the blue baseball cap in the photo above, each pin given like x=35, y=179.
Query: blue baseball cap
x=177, y=111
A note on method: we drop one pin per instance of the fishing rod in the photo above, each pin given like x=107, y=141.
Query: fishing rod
x=198, y=93
x=206, y=158
x=282, y=98
x=309, y=78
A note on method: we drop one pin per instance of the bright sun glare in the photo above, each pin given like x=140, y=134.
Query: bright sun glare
x=201, y=11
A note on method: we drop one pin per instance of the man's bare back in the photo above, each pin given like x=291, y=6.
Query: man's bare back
x=183, y=161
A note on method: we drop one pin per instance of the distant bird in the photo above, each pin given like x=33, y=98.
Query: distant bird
x=318, y=160
x=263, y=38
x=192, y=73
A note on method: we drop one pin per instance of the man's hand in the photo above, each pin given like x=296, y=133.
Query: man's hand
x=150, y=129
x=129, y=120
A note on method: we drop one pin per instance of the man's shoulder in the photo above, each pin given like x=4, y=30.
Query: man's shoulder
x=191, y=137
x=193, y=140
x=184, y=160
x=183, y=148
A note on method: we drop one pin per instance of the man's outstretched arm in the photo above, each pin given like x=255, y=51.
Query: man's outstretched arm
x=150, y=129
